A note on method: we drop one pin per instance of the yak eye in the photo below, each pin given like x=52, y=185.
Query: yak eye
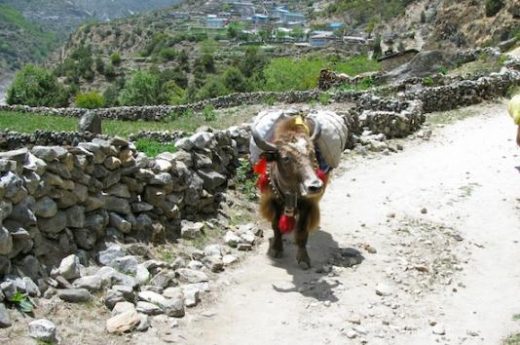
x=286, y=159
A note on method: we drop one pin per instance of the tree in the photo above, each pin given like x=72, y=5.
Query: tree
x=253, y=62
x=234, y=80
x=213, y=88
x=377, y=51
x=37, y=86
x=142, y=89
x=297, y=33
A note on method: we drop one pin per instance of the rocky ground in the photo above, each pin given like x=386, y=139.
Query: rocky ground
x=434, y=230
x=418, y=245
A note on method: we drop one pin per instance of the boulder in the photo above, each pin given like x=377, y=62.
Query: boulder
x=90, y=122
x=43, y=330
x=124, y=322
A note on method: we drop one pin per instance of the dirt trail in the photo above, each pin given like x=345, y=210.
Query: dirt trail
x=444, y=218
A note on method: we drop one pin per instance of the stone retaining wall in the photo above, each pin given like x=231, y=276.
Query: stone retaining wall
x=465, y=92
x=162, y=112
x=55, y=200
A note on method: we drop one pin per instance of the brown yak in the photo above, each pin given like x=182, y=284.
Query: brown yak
x=292, y=188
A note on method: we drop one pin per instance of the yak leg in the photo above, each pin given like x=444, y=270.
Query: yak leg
x=302, y=233
x=276, y=246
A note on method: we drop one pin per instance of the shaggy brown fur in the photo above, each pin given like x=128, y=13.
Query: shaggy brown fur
x=307, y=212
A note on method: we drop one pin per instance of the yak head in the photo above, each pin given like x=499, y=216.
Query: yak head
x=292, y=157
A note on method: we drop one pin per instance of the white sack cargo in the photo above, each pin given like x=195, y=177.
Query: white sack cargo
x=332, y=140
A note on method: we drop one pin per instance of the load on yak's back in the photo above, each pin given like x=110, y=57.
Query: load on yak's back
x=293, y=153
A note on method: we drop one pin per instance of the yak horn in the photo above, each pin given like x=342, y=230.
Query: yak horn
x=261, y=143
x=316, y=131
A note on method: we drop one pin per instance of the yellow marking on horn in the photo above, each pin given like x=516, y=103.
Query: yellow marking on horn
x=298, y=121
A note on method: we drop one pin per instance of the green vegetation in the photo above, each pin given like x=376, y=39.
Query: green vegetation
x=245, y=179
x=209, y=113
x=21, y=302
x=142, y=89
x=484, y=64
x=152, y=148
x=115, y=58
x=301, y=74
x=90, y=100
x=364, y=11
x=493, y=7
x=36, y=86
x=324, y=98
x=26, y=41
x=513, y=340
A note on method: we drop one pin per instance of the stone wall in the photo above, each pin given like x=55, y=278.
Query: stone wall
x=55, y=200
x=465, y=92
x=162, y=112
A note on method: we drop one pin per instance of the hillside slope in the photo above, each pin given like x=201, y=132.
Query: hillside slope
x=30, y=29
x=63, y=16
x=430, y=23
x=20, y=40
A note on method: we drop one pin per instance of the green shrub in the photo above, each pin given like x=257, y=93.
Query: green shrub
x=100, y=65
x=109, y=71
x=111, y=95
x=427, y=81
x=443, y=70
x=211, y=89
x=234, y=80
x=142, y=89
x=152, y=148
x=209, y=113
x=167, y=54
x=493, y=7
x=246, y=180
x=37, y=86
x=90, y=100
x=115, y=58
x=173, y=93
x=324, y=98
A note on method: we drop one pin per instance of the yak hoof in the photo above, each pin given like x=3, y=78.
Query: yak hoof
x=275, y=248
x=275, y=253
x=303, y=259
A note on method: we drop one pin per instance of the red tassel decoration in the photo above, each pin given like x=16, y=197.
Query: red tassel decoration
x=263, y=182
x=260, y=167
x=286, y=224
x=322, y=175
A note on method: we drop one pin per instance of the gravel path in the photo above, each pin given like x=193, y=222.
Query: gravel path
x=438, y=226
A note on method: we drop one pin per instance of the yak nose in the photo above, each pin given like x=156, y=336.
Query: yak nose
x=314, y=186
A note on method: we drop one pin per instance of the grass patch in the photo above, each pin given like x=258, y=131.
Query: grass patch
x=28, y=123
x=152, y=148
x=516, y=317
x=512, y=340
x=485, y=64
x=283, y=74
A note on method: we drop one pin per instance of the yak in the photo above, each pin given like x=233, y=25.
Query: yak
x=291, y=182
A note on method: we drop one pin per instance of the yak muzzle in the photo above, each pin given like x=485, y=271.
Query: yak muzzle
x=312, y=187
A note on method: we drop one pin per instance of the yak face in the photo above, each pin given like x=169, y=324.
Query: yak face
x=295, y=167
x=292, y=157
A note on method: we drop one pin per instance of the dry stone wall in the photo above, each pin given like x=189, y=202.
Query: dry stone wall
x=55, y=200
x=162, y=112
x=466, y=92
